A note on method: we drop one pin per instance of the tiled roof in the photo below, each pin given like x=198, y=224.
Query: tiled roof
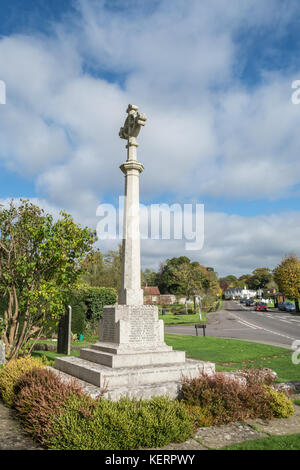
x=151, y=290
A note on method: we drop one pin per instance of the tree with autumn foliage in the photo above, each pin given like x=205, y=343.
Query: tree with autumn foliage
x=40, y=262
x=287, y=276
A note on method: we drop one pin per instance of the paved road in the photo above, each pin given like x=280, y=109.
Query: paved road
x=235, y=321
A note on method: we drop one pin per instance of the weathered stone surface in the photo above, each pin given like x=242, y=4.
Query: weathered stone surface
x=64, y=333
x=216, y=437
x=288, y=387
x=278, y=426
x=12, y=436
x=2, y=353
x=190, y=444
x=147, y=381
x=132, y=360
x=129, y=328
x=131, y=292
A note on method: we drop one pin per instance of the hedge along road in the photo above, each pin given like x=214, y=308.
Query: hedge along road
x=235, y=321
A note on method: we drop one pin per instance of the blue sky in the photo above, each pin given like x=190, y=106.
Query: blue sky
x=214, y=79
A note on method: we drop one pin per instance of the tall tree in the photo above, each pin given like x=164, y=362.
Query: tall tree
x=39, y=264
x=260, y=278
x=167, y=282
x=287, y=277
x=103, y=270
x=94, y=269
x=149, y=277
x=223, y=284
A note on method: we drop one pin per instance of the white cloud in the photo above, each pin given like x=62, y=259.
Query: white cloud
x=206, y=134
x=234, y=244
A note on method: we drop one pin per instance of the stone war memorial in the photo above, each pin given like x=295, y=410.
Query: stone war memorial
x=131, y=358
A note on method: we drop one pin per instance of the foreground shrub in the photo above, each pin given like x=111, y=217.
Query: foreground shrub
x=10, y=374
x=225, y=399
x=281, y=405
x=87, y=424
x=38, y=396
x=60, y=416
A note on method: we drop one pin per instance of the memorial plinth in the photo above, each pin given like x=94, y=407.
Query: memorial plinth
x=131, y=358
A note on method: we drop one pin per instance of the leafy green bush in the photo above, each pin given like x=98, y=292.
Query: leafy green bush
x=11, y=373
x=78, y=322
x=87, y=306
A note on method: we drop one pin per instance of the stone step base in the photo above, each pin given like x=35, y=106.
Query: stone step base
x=127, y=378
x=170, y=389
x=132, y=360
x=114, y=348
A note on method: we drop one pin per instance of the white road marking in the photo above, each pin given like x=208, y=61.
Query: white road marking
x=285, y=319
x=248, y=325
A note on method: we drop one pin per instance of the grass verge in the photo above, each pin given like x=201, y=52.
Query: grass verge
x=232, y=354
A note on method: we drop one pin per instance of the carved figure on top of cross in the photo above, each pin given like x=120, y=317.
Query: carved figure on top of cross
x=133, y=123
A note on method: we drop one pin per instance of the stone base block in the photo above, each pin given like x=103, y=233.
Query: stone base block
x=140, y=382
x=113, y=360
x=170, y=389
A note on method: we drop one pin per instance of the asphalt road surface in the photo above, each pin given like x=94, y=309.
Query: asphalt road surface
x=236, y=321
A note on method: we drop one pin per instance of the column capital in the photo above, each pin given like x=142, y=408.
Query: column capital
x=131, y=165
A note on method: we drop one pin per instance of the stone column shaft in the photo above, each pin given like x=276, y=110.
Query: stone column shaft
x=131, y=292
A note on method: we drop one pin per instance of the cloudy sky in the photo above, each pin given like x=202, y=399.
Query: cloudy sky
x=214, y=78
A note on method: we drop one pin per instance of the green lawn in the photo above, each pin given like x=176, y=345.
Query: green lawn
x=232, y=354
x=51, y=355
x=87, y=340
x=227, y=354
x=288, y=442
x=190, y=319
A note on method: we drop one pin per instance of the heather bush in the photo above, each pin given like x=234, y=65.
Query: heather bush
x=38, y=396
x=201, y=417
x=280, y=404
x=225, y=399
x=87, y=424
x=10, y=374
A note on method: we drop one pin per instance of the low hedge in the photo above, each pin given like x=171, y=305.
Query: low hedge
x=87, y=306
x=60, y=416
x=218, y=399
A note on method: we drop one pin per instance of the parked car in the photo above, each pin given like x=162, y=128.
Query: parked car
x=242, y=301
x=261, y=307
x=250, y=302
x=289, y=307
